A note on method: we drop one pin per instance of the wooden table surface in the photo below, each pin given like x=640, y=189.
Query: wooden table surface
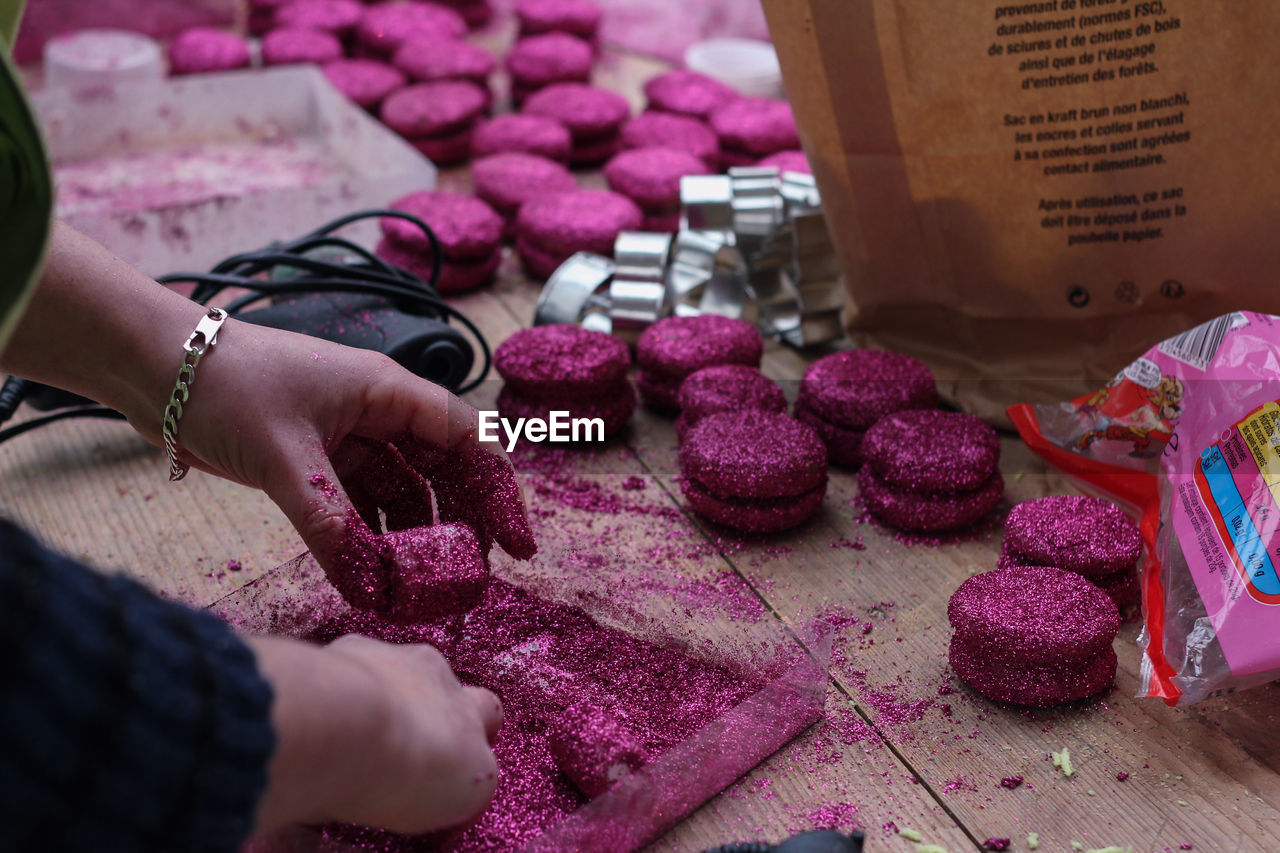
x=904, y=745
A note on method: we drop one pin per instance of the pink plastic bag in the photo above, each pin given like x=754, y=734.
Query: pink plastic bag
x=1187, y=437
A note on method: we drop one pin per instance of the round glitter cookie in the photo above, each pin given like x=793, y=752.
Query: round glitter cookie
x=544, y=137
x=539, y=61
x=365, y=81
x=613, y=409
x=293, y=46
x=725, y=388
x=428, y=59
x=856, y=388
x=1032, y=686
x=688, y=93
x=1034, y=615
x=330, y=16
x=562, y=360
x=576, y=17
x=455, y=276
x=467, y=228
x=668, y=130
x=589, y=154
x=1082, y=534
x=758, y=515
x=660, y=393
x=447, y=150
x=844, y=445
x=203, y=49
x=788, y=161
x=588, y=111
x=651, y=176
x=927, y=512
x=576, y=221
x=928, y=450
x=434, y=109
x=757, y=126
x=677, y=346
x=506, y=181
x=536, y=263
x=754, y=454
x=385, y=26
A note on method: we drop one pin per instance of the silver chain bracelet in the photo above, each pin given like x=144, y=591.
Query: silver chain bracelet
x=200, y=342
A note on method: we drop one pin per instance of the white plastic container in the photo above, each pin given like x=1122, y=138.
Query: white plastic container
x=96, y=59
x=748, y=65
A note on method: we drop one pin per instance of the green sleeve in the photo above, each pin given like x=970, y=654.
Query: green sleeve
x=26, y=187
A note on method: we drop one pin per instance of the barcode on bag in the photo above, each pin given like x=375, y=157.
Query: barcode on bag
x=1198, y=346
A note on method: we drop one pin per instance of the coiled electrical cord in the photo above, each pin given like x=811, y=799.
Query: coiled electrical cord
x=308, y=269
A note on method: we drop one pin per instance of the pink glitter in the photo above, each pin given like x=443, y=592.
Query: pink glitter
x=1011, y=782
x=996, y=844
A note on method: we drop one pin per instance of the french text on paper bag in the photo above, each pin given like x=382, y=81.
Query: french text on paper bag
x=558, y=427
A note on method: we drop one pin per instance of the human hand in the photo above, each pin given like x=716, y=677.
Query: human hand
x=374, y=734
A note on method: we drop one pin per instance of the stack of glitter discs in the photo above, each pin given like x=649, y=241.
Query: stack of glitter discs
x=675, y=347
x=1085, y=535
x=1033, y=635
x=565, y=368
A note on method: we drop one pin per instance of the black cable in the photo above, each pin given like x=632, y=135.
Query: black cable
x=368, y=274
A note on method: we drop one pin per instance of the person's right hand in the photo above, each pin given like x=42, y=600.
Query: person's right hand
x=375, y=734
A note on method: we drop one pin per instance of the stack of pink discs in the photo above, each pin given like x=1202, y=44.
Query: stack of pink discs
x=579, y=18
x=337, y=17
x=755, y=471
x=544, y=137
x=725, y=388
x=1033, y=635
x=507, y=181
x=539, y=61
x=551, y=228
x=428, y=59
x=469, y=231
x=290, y=46
x=752, y=128
x=688, y=93
x=203, y=49
x=437, y=118
x=667, y=130
x=651, y=178
x=843, y=394
x=593, y=116
x=1085, y=535
x=384, y=27
x=930, y=471
x=675, y=347
x=565, y=368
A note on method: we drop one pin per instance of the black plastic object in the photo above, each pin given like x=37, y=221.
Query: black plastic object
x=426, y=346
x=817, y=841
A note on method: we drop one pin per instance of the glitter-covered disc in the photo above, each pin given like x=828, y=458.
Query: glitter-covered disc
x=1034, y=614
x=201, y=49
x=756, y=126
x=556, y=57
x=754, y=454
x=437, y=571
x=856, y=388
x=365, y=81
x=1124, y=586
x=677, y=346
x=434, y=109
x=508, y=180
x=726, y=388
x=578, y=17
x=428, y=59
x=753, y=515
x=927, y=512
x=593, y=748
x=577, y=221
x=455, y=276
x=844, y=445
x=1082, y=534
x=289, y=46
x=688, y=93
x=660, y=393
x=562, y=360
x=927, y=450
x=613, y=407
x=673, y=131
x=588, y=111
x=467, y=228
x=331, y=16
x=538, y=135
x=1033, y=686
x=651, y=176
x=536, y=263
x=385, y=26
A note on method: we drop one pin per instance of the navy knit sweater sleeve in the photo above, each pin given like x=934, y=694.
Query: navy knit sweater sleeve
x=126, y=722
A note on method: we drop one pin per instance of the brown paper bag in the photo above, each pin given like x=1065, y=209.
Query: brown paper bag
x=1027, y=195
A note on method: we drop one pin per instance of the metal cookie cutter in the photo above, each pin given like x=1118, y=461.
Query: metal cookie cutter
x=577, y=292
x=638, y=292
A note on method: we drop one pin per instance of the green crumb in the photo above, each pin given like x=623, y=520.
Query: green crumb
x=1062, y=760
x=1033, y=840
x=910, y=834
x=1076, y=845
x=1183, y=803
x=1091, y=792
x=930, y=848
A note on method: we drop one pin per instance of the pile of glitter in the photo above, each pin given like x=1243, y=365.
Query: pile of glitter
x=543, y=658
